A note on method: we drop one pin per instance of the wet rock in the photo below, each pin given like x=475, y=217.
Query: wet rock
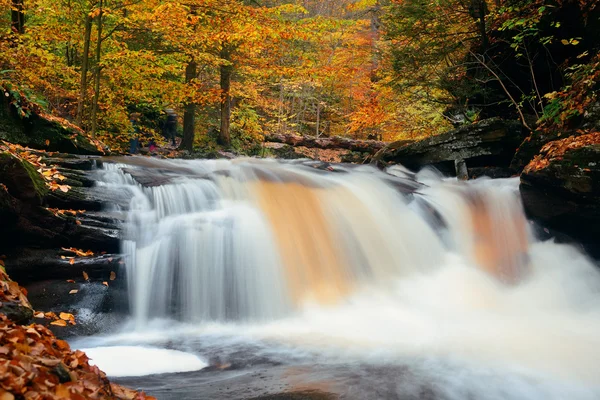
x=561, y=188
x=33, y=265
x=488, y=143
x=17, y=312
x=490, y=172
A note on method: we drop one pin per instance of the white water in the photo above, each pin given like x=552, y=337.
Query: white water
x=343, y=265
x=120, y=361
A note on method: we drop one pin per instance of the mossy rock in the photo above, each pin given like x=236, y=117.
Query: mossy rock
x=39, y=132
x=22, y=179
x=17, y=312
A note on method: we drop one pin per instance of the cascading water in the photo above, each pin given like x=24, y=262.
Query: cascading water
x=358, y=262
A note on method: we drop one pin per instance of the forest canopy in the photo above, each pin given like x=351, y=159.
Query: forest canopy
x=234, y=70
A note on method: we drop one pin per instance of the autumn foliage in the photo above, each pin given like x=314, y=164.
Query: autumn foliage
x=34, y=364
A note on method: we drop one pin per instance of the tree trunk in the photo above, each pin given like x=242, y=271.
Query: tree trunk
x=17, y=16
x=97, y=76
x=84, y=69
x=189, y=114
x=226, y=71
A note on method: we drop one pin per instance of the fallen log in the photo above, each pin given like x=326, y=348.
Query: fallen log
x=335, y=142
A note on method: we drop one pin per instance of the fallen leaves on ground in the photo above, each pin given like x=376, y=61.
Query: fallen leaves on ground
x=34, y=364
x=10, y=291
x=556, y=150
x=49, y=173
x=59, y=213
x=79, y=252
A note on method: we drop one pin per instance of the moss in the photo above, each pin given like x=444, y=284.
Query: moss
x=38, y=183
x=39, y=132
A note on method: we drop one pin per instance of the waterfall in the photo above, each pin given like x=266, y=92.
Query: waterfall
x=252, y=240
x=351, y=265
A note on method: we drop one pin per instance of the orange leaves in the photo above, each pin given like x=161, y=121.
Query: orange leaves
x=556, y=150
x=78, y=252
x=31, y=356
x=50, y=174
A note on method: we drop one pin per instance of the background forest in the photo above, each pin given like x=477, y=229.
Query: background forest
x=237, y=70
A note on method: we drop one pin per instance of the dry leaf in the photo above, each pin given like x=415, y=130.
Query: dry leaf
x=59, y=322
x=73, y=291
x=72, y=261
x=105, y=284
x=78, y=222
x=113, y=276
x=66, y=316
x=70, y=281
x=40, y=315
x=86, y=276
x=47, y=142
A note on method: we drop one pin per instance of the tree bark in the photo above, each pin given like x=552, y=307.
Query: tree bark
x=17, y=16
x=97, y=76
x=336, y=142
x=226, y=70
x=189, y=113
x=84, y=69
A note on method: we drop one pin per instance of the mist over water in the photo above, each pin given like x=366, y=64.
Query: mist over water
x=356, y=266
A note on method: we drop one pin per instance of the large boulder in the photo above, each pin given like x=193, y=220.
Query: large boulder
x=561, y=188
x=489, y=143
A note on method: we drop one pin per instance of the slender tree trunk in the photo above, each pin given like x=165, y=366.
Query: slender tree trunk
x=375, y=36
x=85, y=59
x=317, y=133
x=226, y=71
x=97, y=76
x=189, y=113
x=17, y=16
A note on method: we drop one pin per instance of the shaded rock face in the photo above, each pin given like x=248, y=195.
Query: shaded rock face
x=489, y=143
x=40, y=132
x=561, y=189
x=36, y=240
x=534, y=143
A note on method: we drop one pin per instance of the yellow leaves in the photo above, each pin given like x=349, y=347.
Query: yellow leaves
x=105, y=283
x=85, y=276
x=74, y=291
x=59, y=322
x=113, y=275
